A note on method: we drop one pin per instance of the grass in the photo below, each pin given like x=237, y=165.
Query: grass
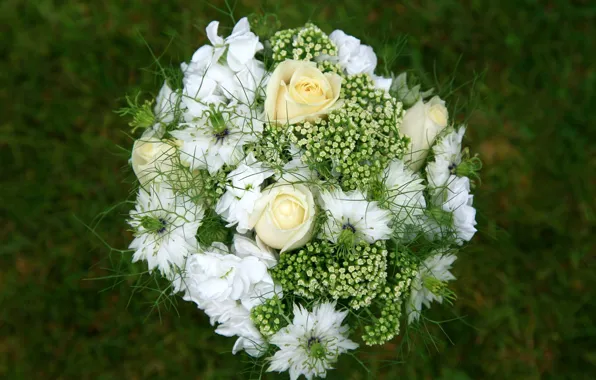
x=526, y=302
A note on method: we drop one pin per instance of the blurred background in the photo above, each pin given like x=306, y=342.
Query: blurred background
x=526, y=307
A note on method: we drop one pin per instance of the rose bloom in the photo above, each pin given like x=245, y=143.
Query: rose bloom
x=283, y=217
x=299, y=91
x=152, y=157
x=422, y=123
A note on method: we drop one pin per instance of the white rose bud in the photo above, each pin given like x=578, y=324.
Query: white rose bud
x=283, y=216
x=151, y=157
x=422, y=123
x=299, y=91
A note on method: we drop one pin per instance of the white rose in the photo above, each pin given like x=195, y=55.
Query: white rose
x=283, y=217
x=152, y=157
x=298, y=91
x=422, y=123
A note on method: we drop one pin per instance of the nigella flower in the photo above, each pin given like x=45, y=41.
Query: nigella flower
x=216, y=135
x=351, y=215
x=237, y=203
x=429, y=284
x=165, y=225
x=312, y=343
x=405, y=197
x=457, y=199
x=450, y=191
x=447, y=156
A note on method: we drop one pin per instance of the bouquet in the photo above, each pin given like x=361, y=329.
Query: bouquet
x=304, y=203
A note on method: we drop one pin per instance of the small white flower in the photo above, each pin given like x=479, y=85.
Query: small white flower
x=210, y=78
x=405, y=195
x=312, y=343
x=447, y=155
x=448, y=191
x=458, y=200
x=216, y=135
x=219, y=282
x=241, y=46
x=434, y=271
x=237, y=203
x=165, y=226
x=351, y=211
x=249, y=337
x=245, y=247
x=353, y=56
x=382, y=83
x=356, y=58
x=165, y=104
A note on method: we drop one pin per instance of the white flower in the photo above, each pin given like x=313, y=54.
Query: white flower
x=357, y=58
x=431, y=277
x=447, y=156
x=283, y=217
x=238, y=202
x=249, y=337
x=353, y=56
x=227, y=286
x=165, y=226
x=216, y=135
x=166, y=104
x=458, y=200
x=382, y=83
x=351, y=211
x=405, y=195
x=219, y=282
x=241, y=46
x=210, y=78
x=245, y=247
x=448, y=191
x=312, y=343
x=298, y=91
x=422, y=123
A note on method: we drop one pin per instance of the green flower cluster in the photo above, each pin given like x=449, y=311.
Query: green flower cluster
x=270, y=316
x=330, y=67
x=304, y=44
x=356, y=141
x=391, y=300
x=317, y=271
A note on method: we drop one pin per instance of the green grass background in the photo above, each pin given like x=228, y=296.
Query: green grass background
x=526, y=284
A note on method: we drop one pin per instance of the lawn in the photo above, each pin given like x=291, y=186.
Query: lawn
x=526, y=306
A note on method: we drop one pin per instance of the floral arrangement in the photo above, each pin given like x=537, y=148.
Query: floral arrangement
x=304, y=203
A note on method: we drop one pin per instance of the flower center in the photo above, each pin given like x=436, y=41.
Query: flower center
x=317, y=350
x=220, y=136
x=288, y=212
x=154, y=224
x=349, y=226
x=452, y=167
x=162, y=229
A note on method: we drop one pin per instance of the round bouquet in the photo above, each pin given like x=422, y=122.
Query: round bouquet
x=304, y=203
